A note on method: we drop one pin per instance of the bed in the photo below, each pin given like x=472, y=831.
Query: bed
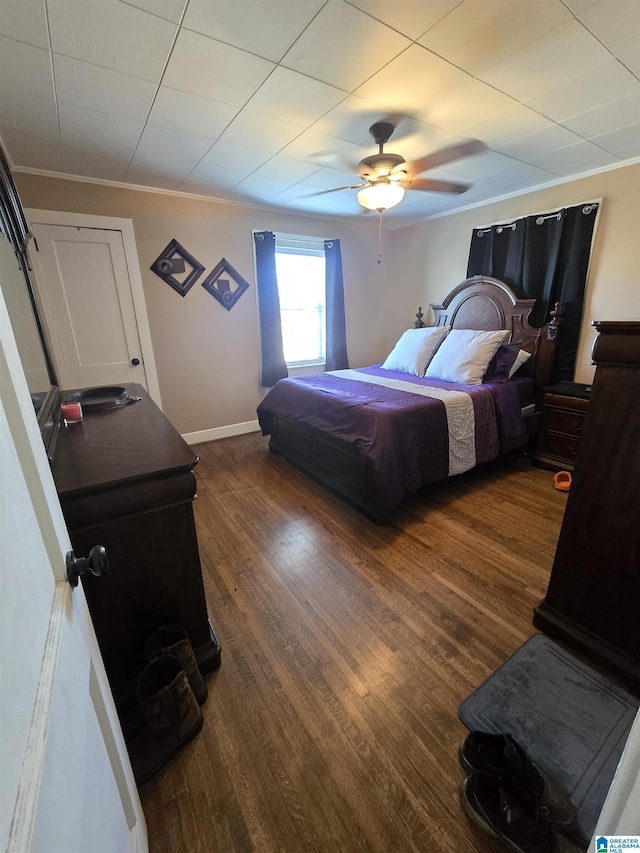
x=376, y=434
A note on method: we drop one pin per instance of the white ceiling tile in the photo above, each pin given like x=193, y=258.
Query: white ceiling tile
x=111, y=34
x=88, y=166
x=506, y=127
x=260, y=188
x=469, y=103
x=412, y=81
x=351, y=119
x=258, y=131
x=286, y=169
x=594, y=163
x=617, y=24
x=408, y=17
x=24, y=68
x=147, y=179
x=224, y=155
x=24, y=21
x=611, y=116
x=30, y=130
x=28, y=113
x=477, y=165
x=596, y=86
x=579, y=6
x=170, y=10
x=530, y=181
x=294, y=97
x=266, y=29
x=33, y=150
x=84, y=85
x=536, y=144
x=563, y=157
x=619, y=140
x=477, y=35
x=629, y=153
x=516, y=175
x=317, y=147
x=560, y=55
x=340, y=203
x=90, y=137
x=413, y=139
x=207, y=177
x=162, y=151
x=214, y=70
x=190, y=113
x=327, y=179
x=360, y=46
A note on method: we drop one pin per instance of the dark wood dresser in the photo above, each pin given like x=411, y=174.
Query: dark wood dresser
x=125, y=480
x=563, y=412
x=593, y=598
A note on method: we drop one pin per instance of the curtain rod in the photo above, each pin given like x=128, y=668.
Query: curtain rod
x=539, y=220
x=587, y=207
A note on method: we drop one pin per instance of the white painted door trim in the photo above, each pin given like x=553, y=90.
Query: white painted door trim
x=125, y=226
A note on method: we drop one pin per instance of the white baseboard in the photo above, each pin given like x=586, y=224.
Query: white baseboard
x=221, y=432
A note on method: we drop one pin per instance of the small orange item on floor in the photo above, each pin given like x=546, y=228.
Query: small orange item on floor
x=562, y=481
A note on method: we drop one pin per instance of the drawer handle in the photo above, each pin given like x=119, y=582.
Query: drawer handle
x=97, y=563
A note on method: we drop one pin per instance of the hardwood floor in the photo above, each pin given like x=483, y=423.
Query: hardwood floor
x=346, y=649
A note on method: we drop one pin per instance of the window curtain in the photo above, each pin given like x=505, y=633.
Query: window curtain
x=273, y=365
x=336, y=343
x=542, y=257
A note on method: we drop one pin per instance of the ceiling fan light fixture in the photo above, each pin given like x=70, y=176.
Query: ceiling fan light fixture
x=381, y=196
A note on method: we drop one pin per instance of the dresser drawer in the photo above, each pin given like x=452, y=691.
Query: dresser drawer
x=560, y=420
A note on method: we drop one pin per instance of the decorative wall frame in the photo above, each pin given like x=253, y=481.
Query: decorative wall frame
x=177, y=267
x=221, y=287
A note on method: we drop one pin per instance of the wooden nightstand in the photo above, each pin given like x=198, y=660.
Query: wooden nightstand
x=563, y=412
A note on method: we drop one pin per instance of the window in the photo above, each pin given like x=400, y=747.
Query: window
x=300, y=268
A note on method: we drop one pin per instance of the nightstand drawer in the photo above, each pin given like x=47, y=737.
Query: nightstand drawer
x=569, y=423
x=563, y=447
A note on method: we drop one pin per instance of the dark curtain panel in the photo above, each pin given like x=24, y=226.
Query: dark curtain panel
x=336, y=356
x=273, y=363
x=543, y=258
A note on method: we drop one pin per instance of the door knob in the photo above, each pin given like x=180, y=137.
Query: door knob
x=135, y=362
x=97, y=563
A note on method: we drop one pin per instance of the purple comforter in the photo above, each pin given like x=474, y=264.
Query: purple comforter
x=408, y=438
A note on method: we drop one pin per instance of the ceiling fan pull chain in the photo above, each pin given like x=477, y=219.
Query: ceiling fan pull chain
x=379, y=261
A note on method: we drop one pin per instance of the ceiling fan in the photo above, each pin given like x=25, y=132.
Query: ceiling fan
x=386, y=176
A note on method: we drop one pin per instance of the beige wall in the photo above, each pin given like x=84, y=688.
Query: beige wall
x=432, y=257
x=207, y=357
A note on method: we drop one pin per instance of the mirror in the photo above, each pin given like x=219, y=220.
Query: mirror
x=21, y=305
x=23, y=322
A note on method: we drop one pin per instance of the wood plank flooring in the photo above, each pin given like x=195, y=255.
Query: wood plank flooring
x=346, y=649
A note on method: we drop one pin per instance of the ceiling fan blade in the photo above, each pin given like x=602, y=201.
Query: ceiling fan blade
x=337, y=189
x=431, y=185
x=445, y=155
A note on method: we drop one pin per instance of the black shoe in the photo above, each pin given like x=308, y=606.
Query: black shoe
x=500, y=755
x=503, y=808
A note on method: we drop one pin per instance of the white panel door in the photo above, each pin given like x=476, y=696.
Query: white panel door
x=88, y=306
x=65, y=776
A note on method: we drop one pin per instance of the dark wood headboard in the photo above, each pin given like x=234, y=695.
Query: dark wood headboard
x=488, y=304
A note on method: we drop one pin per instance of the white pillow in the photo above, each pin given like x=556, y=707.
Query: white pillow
x=522, y=356
x=414, y=349
x=465, y=355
